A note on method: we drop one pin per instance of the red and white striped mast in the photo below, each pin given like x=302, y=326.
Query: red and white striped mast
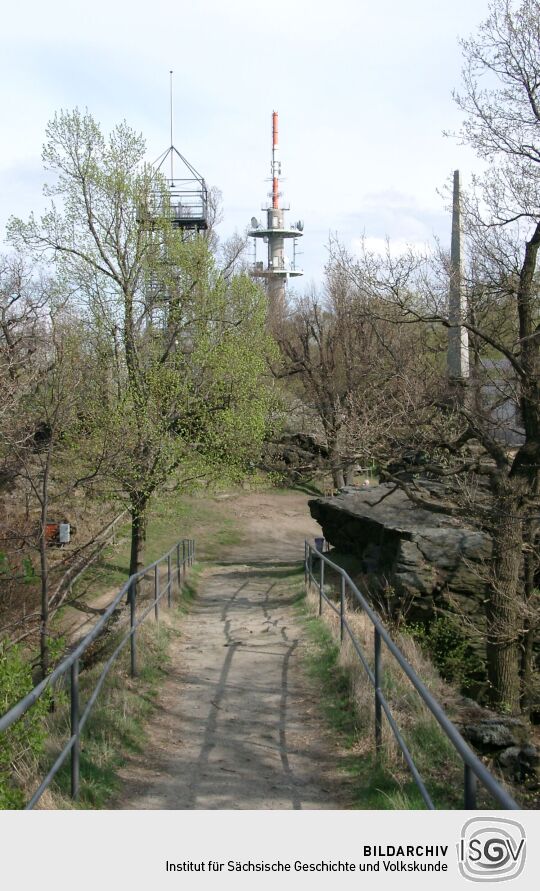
x=276, y=166
x=279, y=267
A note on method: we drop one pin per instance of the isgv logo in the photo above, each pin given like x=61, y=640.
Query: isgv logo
x=491, y=849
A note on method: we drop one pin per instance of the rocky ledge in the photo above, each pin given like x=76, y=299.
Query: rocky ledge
x=434, y=562
x=424, y=556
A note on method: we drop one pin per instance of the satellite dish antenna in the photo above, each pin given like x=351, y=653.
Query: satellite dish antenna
x=254, y=223
x=300, y=225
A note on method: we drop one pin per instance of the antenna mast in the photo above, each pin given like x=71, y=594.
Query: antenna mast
x=184, y=201
x=171, y=114
x=279, y=267
x=276, y=167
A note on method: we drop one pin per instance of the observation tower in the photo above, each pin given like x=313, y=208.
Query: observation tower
x=179, y=194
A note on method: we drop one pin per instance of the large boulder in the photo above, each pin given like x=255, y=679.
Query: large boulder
x=425, y=556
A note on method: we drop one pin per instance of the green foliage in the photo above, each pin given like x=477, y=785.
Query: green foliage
x=26, y=737
x=445, y=643
x=171, y=351
x=27, y=569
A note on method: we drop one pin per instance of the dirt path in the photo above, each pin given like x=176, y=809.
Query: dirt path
x=237, y=724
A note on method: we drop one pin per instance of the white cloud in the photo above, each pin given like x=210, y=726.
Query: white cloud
x=363, y=92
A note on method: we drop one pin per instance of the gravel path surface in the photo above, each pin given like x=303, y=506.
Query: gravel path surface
x=237, y=724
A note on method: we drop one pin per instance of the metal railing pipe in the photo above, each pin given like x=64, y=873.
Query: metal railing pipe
x=71, y=664
x=133, y=624
x=378, y=694
x=469, y=788
x=74, y=722
x=476, y=768
x=342, y=609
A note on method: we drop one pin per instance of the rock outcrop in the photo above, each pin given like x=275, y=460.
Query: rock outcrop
x=425, y=557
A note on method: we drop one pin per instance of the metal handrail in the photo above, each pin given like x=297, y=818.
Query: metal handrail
x=185, y=555
x=473, y=768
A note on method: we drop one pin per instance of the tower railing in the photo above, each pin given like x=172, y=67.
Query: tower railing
x=279, y=266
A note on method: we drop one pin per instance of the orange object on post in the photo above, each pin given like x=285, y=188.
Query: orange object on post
x=51, y=532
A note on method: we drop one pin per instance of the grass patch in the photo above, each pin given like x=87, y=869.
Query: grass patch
x=171, y=518
x=116, y=726
x=206, y=519
x=332, y=680
x=117, y=723
x=347, y=702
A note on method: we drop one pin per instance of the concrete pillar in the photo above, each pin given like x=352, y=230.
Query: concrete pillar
x=276, y=259
x=458, y=341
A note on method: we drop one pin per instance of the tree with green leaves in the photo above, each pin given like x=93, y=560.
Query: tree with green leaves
x=179, y=373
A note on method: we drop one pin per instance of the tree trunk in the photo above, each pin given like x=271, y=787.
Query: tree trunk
x=337, y=477
x=44, y=623
x=530, y=623
x=503, y=610
x=336, y=461
x=44, y=567
x=138, y=533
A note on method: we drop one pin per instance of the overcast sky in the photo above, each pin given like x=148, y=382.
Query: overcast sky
x=363, y=91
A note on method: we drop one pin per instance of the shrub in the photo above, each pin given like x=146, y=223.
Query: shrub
x=26, y=737
x=446, y=644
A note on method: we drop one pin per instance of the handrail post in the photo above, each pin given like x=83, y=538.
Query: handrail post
x=169, y=579
x=132, y=621
x=75, y=751
x=378, y=708
x=469, y=789
x=183, y=560
x=321, y=583
x=342, y=609
x=178, y=566
x=192, y=541
x=156, y=591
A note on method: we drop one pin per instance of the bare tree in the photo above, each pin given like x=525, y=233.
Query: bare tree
x=358, y=371
x=495, y=459
x=42, y=368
